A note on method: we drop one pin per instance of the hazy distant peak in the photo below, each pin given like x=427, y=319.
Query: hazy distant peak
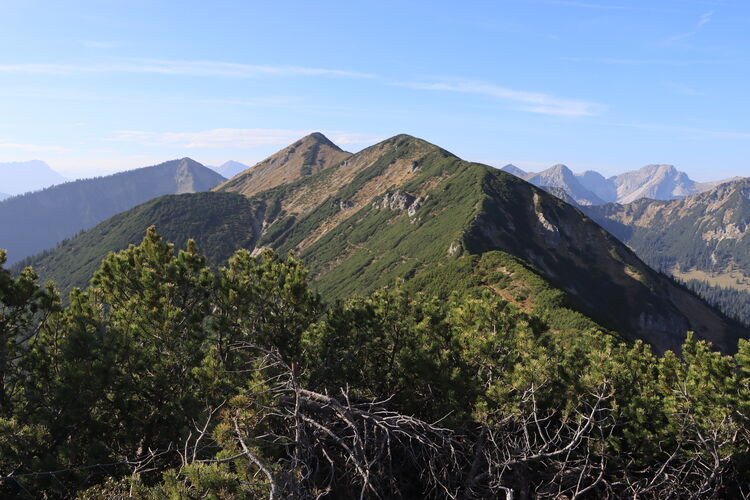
x=24, y=176
x=232, y=163
x=560, y=167
x=593, y=174
x=560, y=176
x=658, y=181
x=230, y=168
x=599, y=185
x=657, y=167
x=512, y=169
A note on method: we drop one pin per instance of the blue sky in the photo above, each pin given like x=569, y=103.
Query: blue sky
x=612, y=85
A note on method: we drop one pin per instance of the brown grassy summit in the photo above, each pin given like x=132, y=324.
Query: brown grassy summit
x=306, y=157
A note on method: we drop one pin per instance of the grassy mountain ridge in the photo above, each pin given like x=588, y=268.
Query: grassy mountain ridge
x=405, y=208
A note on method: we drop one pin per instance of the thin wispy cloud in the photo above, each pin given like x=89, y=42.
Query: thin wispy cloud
x=604, y=6
x=689, y=133
x=531, y=102
x=702, y=21
x=682, y=89
x=585, y=5
x=32, y=148
x=233, y=138
x=102, y=44
x=179, y=68
x=647, y=62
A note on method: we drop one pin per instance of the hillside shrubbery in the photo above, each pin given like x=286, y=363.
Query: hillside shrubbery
x=166, y=378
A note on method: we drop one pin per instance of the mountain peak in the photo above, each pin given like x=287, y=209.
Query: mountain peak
x=24, y=176
x=658, y=167
x=514, y=170
x=560, y=176
x=560, y=167
x=658, y=181
x=306, y=156
x=230, y=168
x=190, y=162
x=318, y=138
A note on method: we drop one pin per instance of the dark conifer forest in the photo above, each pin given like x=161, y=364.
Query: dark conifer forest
x=166, y=378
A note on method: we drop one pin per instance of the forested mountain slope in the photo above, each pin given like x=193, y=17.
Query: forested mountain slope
x=709, y=232
x=405, y=208
x=166, y=378
x=703, y=238
x=39, y=220
x=219, y=222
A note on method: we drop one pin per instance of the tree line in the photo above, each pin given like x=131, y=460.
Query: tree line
x=168, y=378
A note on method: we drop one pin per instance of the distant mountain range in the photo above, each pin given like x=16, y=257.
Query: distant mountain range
x=405, y=208
x=3, y=196
x=658, y=182
x=38, y=220
x=230, y=168
x=24, y=176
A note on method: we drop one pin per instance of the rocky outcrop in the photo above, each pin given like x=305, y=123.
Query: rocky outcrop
x=397, y=200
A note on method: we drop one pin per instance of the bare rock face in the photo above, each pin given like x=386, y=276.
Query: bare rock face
x=454, y=248
x=551, y=233
x=184, y=178
x=658, y=182
x=397, y=200
x=416, y=205
x=401, y=201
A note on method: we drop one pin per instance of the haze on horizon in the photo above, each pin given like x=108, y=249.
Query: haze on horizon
x=96, y=87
